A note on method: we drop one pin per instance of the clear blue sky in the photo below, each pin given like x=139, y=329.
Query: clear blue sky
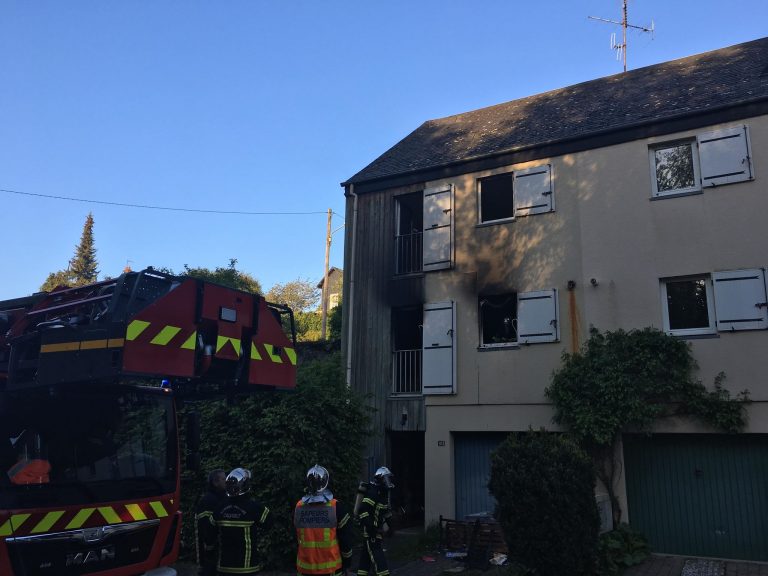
x=266, y=106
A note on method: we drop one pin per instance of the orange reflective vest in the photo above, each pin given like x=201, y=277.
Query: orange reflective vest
x=316, y=531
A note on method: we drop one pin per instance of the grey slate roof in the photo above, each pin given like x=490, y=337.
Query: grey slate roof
x=705, y=82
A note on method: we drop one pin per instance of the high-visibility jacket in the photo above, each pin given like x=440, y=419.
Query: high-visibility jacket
x=321, y=529
x=30, y=472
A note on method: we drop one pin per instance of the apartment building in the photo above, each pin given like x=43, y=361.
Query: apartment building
x=484, y=245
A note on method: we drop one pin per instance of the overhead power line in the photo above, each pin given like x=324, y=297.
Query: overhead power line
x=169, y=208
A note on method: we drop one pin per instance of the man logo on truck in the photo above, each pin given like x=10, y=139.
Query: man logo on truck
x=91, y=556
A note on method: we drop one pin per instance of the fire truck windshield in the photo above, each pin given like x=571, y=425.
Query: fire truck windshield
x=75, y=444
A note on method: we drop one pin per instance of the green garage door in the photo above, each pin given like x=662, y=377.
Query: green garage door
x=700, y=494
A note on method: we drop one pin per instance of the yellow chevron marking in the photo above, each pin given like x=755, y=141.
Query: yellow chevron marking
x=62, y=347
x=222, y=340
x=13, y=524
x=165, y=335
x=135, y=328
x=272, y=356
x=80, y=518
x=110, y=515
x=255, y=352
x=93, y=344
x=159, y=509
x=190, y=342
x=45, y=524
x=291, y=353
x=136, y=511
x=115, y=343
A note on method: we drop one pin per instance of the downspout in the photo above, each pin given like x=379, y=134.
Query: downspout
x=351, y=285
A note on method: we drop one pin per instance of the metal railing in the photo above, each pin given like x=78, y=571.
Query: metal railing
x=406, y=372
x=408, y=253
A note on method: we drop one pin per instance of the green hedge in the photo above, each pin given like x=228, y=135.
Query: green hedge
x=544, y=487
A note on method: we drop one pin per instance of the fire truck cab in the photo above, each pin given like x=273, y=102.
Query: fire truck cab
x=89, y=451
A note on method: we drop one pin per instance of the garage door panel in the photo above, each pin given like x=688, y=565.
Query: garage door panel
x=704, y=495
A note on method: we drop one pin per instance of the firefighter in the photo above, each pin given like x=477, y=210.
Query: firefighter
x=240, y=521
x=31, y=467
x=205, y=527
x=372, y=513
x=322, y=528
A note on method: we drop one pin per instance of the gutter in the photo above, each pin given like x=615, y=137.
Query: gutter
x=350, y=288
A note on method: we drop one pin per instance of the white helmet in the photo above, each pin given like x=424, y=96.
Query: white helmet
x=238, y=482
x=383, y=478
x=317, y=479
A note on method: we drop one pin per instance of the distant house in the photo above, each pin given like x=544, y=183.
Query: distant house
x=483, y=245
x=335, y=284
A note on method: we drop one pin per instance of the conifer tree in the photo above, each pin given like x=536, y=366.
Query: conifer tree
x=83, y=264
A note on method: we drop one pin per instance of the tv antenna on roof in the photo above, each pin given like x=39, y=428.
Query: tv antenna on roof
x=621, y=49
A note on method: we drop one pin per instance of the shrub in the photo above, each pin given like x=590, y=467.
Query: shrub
x=620, y=549
x=544, y=486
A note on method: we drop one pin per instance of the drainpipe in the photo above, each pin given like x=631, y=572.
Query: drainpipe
x=350, y=286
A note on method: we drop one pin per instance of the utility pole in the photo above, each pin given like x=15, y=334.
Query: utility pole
x=326, y=289
x=621, y=49
x=324, y=295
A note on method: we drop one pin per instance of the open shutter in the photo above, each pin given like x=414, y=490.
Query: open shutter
x=724, y=156
x=740, y=302
x=439, y=361
x=533, y=191
x=537, y=317
x=438, y=232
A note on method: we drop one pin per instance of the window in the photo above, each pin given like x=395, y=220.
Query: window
x=498, y=319
x=524, y=318
x=406, y=350
x=711, y=159
x=675, y=169
x=687, y=305
x=408, y=233
x=496, y=200
x=514, y=194
x=725, y=301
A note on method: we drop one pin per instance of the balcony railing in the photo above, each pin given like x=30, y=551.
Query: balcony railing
x=406, y=372
x=408, y=253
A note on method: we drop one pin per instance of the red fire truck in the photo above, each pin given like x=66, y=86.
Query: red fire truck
x=89, y=451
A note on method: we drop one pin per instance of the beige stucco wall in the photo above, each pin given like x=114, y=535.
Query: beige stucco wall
x=605, y=227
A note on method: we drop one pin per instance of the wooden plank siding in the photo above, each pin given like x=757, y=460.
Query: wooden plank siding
x=371, y=339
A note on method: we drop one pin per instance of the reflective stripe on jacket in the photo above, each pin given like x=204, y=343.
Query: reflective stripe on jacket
x=318, y=551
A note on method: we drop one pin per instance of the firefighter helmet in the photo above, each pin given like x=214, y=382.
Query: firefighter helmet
x=317, y=479
x=383, y=478
x=238, y=482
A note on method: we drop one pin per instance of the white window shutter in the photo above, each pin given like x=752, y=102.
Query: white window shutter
x=533, y=192
x=538, y=317
x=724, y=156
x=439, y=357
x=740, y=300
x=437, y=247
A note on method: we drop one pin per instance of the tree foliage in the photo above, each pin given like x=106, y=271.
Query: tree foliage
x=62, y=278
x=228, y=276
x=334, y=323
x=83, y=265
x=82, y=268
x=308, y=326
x=302, y=295
x=278, y=436
x=627, y=380
x=544, y=487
